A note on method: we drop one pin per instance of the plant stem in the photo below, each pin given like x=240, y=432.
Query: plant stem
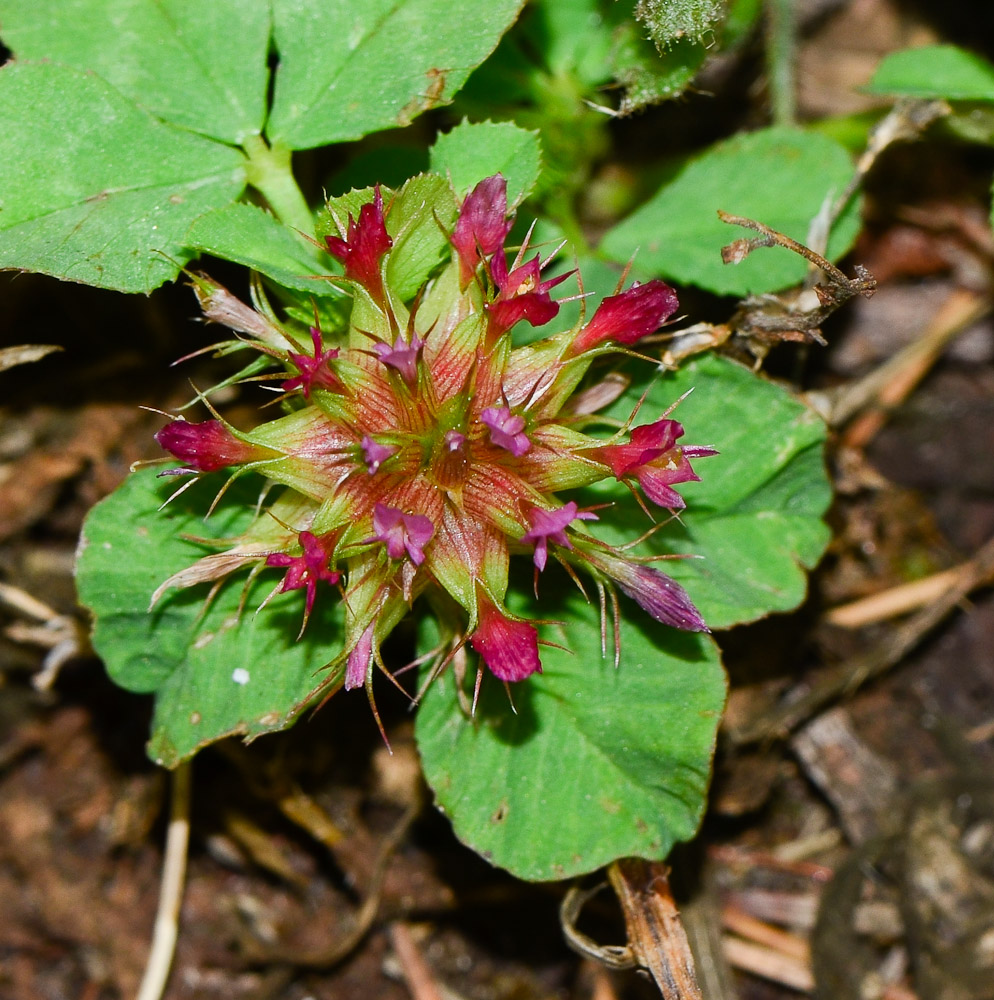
x=270, y=173
x=164, y=936
x=780, y=56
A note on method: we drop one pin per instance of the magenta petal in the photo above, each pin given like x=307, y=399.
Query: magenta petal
x=364, y=245
x=375, y=454
x=314, y=372
x=509, y=648
x=206, y=446
x=550, y=526
x=656, y=483
x=653, y=456
x=402, y=533
x=482, y=226
x=307, y=569
x=628, y=317
x=522, y=295
x=360, y=657
x=506, y=429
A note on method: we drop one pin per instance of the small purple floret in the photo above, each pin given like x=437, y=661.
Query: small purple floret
x=315, y=372
x=652, y=456
x=507, y=429
x=375, y=454
x=521, y=294
x=550, y=526
x=305, y=570
x=402, y=533
x=403, y=357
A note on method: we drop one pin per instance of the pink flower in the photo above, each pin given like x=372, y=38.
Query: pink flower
x=403, y=357
x=375, y=454
x=628, y=317
x=550, y=526
x=655, y=592
x=314, y=371
x=482, y=226
x=521, y=295
x=509, y=648
x=507, y=430
x=360, y=657
x=654, y=459
x=402, y=532
x=206, y=446
x=363, y=247
x=307, y=569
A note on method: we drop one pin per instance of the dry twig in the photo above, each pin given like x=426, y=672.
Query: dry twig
x=166, y=931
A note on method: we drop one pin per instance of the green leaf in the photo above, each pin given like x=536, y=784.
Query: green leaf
x=594, y=763
x=755, y=518
x=251, y=236
x=411, y=55
x=778, y=176
x=573, y=37
x=214, y=674
x=474, y=150
x=96, y=190
x=934, y=71
x=199, y=65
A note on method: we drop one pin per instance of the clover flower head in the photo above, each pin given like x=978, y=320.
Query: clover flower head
x=420, y=448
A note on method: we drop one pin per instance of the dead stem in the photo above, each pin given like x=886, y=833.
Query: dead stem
x=656, y=937
x=160, y=958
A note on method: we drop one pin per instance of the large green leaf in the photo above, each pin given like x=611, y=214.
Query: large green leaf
x=778, y=176
x=593, y=763
x=215, y=673
x=96, y=190
x=935, y=71
x=349, y=69
x=251, y=236
x=474, y=150
x=755, y=518
x=200, y=65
